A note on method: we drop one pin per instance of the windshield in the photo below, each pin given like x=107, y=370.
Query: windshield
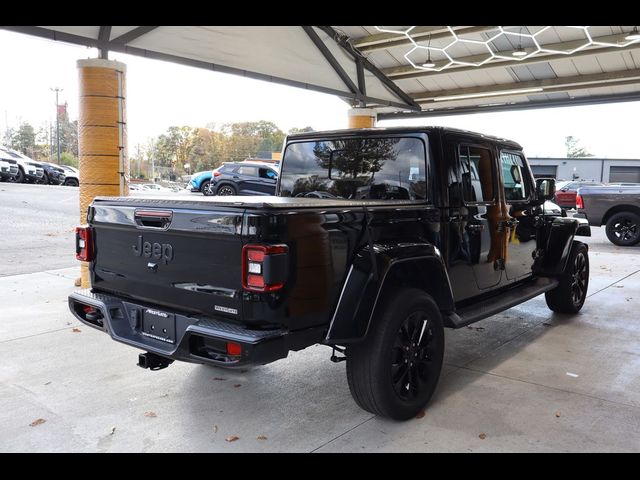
x=355, y=168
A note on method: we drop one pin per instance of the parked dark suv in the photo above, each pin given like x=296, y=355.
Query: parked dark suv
x=243, y=178
x=53, y=174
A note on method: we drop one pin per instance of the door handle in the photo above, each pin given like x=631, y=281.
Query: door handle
x=474, y=227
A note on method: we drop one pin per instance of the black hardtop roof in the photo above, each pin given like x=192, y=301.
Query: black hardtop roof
x=364, y=132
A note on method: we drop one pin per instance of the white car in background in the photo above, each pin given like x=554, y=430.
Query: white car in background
x=28, y=169
x=72, y=176
x=8, y=170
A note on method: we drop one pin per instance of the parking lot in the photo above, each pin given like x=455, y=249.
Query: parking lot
x=523, y=380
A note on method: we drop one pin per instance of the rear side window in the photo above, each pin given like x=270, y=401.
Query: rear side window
x=476, y=168
x=516, y=186
x=356, y=169
x=250, y=171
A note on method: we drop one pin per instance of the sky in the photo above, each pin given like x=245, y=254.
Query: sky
x=162, y=94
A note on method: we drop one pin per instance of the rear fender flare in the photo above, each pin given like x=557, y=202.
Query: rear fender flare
x=410, y=264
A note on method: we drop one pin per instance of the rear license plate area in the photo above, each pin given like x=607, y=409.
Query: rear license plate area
x=159, y=325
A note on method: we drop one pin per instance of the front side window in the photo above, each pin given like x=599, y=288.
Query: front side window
x=356, y=169
x=268, y=173
x=516, y=186
x=477, y=172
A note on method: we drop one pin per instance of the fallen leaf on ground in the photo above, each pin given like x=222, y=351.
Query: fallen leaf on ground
x=76, y=330
x=261, y=437
x=421, y=414
x=51, y=234
x=558, y=414
x=237, y=385
x=215, y=429
x=150, y=414
x=48, y=383
x=219, y=378
x=482, y=436
x=37, y=421
x=470, y=327
x=232, y=438
x=113, y=430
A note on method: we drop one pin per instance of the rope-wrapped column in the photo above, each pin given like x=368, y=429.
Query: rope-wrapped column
x=362, y=118
x=102, y=142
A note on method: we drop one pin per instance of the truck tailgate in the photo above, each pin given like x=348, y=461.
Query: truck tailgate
x=181, y=258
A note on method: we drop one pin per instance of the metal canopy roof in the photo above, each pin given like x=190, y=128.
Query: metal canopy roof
x=475, y=68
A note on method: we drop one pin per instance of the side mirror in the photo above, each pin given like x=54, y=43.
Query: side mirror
x=545, y=189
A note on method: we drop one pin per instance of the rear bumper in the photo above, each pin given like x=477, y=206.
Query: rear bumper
x=197, y=340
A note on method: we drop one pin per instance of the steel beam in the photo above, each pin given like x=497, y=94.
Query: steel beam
x=331, y=59
x=133, y=34
x=526, y=105
x=343, y=41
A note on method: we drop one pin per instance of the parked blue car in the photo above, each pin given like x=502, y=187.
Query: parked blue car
x=200, y=180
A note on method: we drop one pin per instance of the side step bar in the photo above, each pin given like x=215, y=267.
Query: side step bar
x=501, y=302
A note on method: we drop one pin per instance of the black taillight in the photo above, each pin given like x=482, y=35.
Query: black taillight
x=264, y=267
x=84, y=243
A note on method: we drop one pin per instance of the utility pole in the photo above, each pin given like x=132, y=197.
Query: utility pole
x=6, y=128
x=50, y=139
x=57, y=90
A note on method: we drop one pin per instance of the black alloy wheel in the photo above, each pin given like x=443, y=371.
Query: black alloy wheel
x=394, y=371
x=623, y=229
x=571, y=292
x=412, y=357
x=226, y=190
x=579, y=279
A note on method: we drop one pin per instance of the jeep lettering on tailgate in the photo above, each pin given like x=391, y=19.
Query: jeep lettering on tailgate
x=156, y=250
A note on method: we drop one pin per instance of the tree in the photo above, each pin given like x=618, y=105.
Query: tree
x=246, y=139
x=300, y=130
x=24, y=139
x=67, y=158
x=573, y=150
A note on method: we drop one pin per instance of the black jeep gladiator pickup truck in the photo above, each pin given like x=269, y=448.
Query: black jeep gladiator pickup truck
x=376, y=240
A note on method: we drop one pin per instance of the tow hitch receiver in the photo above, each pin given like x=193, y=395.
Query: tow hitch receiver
x=153, y=361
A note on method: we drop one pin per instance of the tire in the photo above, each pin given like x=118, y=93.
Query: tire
x=408, y=326
x=623, y=229
x=71, y=182
x=45, y=179
x=205, y=188
x=226, y=189
x=570, y=294
x=20, y=177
